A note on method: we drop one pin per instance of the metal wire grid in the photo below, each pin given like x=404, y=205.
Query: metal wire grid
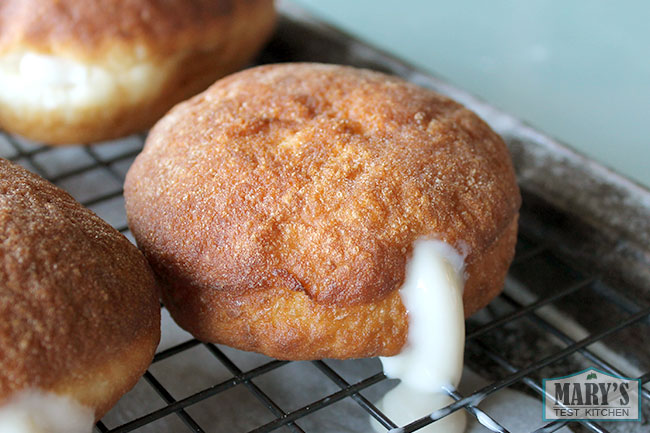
x=94, y=175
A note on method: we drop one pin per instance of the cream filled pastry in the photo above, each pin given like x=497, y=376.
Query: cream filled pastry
x=78, y=71
x=312, y=211
x=79, y=308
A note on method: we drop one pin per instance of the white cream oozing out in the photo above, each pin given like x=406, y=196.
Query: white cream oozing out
x=34, y=79
x=432, y=359
x=33, y=411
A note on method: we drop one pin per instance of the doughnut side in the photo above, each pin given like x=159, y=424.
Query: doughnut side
x=67, y=76
x=101, y=385
x=79, y=302
x=284, y=323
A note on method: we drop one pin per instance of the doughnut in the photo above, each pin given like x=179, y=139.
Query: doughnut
x=75, y=71
x=79, y=306
x=279, y=208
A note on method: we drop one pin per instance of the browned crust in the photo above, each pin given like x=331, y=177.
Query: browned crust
x=311, y=182
x=79, y=303
x=92, y=29
x=204, y=39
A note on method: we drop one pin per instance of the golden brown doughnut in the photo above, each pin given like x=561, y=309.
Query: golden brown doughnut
x=79, y=305
x=278, y=208
x=75, y=71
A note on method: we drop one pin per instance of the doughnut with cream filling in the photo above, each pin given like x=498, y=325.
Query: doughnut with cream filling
x=279, y=208
x=76, y=71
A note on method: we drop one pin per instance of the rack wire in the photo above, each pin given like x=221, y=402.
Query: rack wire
x=536, y=329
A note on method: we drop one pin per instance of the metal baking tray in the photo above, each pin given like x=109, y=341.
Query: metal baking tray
x=577, y=295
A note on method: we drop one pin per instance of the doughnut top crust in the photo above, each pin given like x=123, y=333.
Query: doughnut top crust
x=97, y=29
x=74, y=293
x=316, y=177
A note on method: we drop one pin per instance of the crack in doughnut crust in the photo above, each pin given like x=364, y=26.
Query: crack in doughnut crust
x=78, y=302
x=278, y=208
x=132, y=60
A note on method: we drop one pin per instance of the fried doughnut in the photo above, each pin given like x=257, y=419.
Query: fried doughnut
x=76, y=71
x=79, y=309
x=279, y=207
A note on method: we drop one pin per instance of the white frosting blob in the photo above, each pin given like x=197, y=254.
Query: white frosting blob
x=50, y=82
x=433, y=356
x=33, y=411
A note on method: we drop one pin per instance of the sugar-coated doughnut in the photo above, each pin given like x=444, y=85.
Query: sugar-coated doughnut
x=279, y=207
x=75, y=71
x=79, y=309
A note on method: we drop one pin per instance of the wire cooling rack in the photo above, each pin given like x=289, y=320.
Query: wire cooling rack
x=554, y=318
x=94, y=176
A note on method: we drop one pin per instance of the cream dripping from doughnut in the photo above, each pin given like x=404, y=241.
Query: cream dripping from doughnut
x=34, y=411
x=300, y=191
x=79, y=309
x=432, y=360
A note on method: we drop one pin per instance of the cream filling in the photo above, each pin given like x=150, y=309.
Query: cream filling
x=40, y=81
x=432, y=359
x=34, y=411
